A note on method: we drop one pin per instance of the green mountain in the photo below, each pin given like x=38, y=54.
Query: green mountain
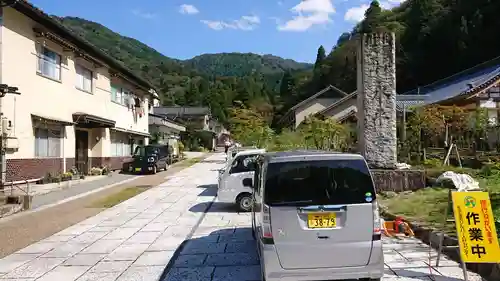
x=139, y=56
x=243, y=64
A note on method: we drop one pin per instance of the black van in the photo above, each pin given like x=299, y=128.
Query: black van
x=149, y=159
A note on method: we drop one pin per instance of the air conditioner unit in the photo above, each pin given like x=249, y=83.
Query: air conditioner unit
x=7, y=126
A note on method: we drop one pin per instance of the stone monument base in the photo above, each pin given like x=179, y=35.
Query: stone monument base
x=398, y=180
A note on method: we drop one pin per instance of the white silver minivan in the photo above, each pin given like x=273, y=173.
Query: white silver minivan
x=231, y=189
x=315, y=217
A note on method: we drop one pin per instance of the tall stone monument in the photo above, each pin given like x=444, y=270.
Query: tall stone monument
x=376, y=83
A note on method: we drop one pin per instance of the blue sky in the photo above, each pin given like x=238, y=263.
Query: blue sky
x=186, y=28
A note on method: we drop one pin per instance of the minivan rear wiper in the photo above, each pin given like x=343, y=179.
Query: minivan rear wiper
x=291, y=203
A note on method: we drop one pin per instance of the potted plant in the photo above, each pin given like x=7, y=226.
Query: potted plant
x=67, y=176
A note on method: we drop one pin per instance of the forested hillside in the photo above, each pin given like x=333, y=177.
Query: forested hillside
x=238, y=64
x=435, y=39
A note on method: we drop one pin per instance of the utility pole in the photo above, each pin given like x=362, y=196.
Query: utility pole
x=4, y=89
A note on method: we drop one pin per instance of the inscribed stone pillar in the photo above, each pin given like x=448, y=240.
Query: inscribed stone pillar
x=376, y=83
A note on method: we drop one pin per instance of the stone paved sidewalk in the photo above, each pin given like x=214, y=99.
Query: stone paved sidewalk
x=131, y=241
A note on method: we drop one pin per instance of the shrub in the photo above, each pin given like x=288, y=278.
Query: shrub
x=105, y=170
x=181, y=147
x=95, y=171
x=433, y=163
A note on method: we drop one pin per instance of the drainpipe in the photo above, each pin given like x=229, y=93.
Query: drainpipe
x=3, y=158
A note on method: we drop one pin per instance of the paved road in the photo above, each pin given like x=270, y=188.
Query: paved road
x=174, y=232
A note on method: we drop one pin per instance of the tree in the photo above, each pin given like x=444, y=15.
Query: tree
x=325, y=134
x=344, y=37
x=249, y=127
x=320, y=58
x=371, y=21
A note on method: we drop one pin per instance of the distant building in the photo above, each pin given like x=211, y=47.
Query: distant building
x=477, y=87
x=312, y=105
x=194, y=118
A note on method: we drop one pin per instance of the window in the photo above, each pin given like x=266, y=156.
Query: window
x=324, y=182
x=49, y=64
x=119, y=94
x=47, y=142
x=120, y=145
x=256, y=177
x=244, y=163
x=83, y=78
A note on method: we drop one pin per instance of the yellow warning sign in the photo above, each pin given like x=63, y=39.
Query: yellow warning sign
x=475, y=224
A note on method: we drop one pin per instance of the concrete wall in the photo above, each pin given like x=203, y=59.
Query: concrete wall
x=312, y=107
x=342, y=109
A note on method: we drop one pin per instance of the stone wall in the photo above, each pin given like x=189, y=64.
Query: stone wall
x=398, y=180
x=376, y=80
x=34, y=168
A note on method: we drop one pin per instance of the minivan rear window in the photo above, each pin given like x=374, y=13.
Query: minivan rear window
x=322, y=182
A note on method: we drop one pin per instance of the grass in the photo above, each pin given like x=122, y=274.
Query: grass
x=189, y=162
x=426, y=207
x=119, y=197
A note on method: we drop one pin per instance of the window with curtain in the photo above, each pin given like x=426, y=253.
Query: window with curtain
x=49, y=63
x=120, y=145
x=83, y=78
x=119, y=95
x=47, y=142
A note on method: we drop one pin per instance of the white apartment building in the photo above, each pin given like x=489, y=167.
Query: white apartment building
x=78, y=106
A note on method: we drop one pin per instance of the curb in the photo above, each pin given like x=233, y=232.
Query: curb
x=489, y=271
x=14, y=216
x=14, y=210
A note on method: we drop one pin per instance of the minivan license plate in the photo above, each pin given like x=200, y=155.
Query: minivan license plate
x=326, y=220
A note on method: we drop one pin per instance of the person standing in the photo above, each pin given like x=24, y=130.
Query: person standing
x=227, y=144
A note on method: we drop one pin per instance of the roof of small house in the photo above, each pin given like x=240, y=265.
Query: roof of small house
x=403, y=102
x=463, y=84
x=315, y=96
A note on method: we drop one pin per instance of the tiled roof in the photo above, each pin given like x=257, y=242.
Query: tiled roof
x=339, y=102
x=181, y=110
x=59, y=29
x=402, y=101
x=317, y=95
x=464, y=83
x=408, y=105
x=408, y=102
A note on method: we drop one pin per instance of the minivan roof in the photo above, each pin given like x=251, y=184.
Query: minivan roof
x=296, y=155
x=251, y=151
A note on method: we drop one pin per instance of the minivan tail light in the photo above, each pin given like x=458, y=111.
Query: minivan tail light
x=377, y=226
x=267, y=234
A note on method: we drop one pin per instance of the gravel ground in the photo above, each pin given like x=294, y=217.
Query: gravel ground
x=24, y=230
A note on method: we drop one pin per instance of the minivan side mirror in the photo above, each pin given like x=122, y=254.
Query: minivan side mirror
x=248, y=182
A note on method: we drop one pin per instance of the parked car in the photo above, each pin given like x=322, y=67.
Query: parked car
x=315, y=217
x=233, y=150
x=149, y=159
x=231, y=189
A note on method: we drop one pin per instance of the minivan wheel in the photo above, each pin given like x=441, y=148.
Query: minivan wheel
x=154, y=170
x=244, y=202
